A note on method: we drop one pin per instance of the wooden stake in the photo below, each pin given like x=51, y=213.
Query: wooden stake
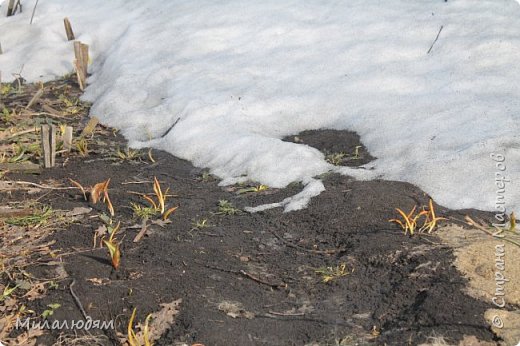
x=52, y=141
x=67, y=138
x=24, y=167
x=51, y=110
x=81, y=62
x=10, y=8
x=84, y=58
x=17, y=6
x=48, y=136
x=68, y=30
x=35, y=99
x=46, y=146
x=90, y=127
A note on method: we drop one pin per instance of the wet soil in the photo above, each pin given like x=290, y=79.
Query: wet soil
x=341, y=147
x=399, y=290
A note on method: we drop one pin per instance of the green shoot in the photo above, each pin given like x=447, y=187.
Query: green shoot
x=200, y=224
x=35, y=220
x=128, y=154
x=50, y=311
x=133, y=340
x=258, y=188
x=331, y=273
x=227, y=208
x=335, y=158
x=7, y=292
x=142, y=212
x=113, y=246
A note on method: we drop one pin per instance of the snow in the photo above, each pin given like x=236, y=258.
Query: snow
x=240, y=75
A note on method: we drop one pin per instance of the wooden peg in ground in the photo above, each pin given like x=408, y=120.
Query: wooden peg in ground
x=10, y=8
x=67, y=138
x=68, y=30
x=81, y=63
x=35, y=98
x=90, y=127
x=48, y=137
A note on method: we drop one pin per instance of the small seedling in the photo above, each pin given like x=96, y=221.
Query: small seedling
x=152, y=160
x=35, y=220
x=113, y=246
x=512, y=222
x=7, y=292
x=82, y=146
x=95, y=193
x=335, y=158
x=53, y=285
x=71, y=105
x=102, y=188
x=128, y=154
x=200, y=224
x=410, y=221
x=258, y=188
x=17, y=155
x=7, y=116
x=142, y=212
x=357, y=156
x=158, y=205
x=331, y=273
x=431, y=218
x=225, y=207
x=133, y=340
x=6, y=89
x=206, y=176
x=50, y=311
x=161, y=197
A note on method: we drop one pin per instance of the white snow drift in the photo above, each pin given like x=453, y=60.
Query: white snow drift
x=241, y=74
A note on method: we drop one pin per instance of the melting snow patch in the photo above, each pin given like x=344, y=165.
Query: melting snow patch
x=240, y=75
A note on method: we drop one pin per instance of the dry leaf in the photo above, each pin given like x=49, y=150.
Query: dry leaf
x=36, y=292
x=161, y=223
x=96, y=281
x=78, y=211
x=161, y=321
x=99, y=233
x=235, y=309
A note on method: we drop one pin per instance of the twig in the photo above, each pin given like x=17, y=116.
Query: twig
x=142, y=232
x=78, y=302
x=436, y=38
x=52, y=115
x=307, y=319
x=35, y=98
x=286, y=313
x=471, y=222
x=137, y=182
x=19, y=134
x=320, y=252
x=170, y=128
x=46, y=187
x=249, y=276
x=34, y=11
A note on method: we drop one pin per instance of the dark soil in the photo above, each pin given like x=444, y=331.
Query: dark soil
x=399, y=290
x=346, y=144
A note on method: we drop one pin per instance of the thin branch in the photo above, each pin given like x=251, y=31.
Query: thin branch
x=436, y=38
x=170, y=128
x=78, y=302
x=46, y=187
x=34, y=11
x=294, y=246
